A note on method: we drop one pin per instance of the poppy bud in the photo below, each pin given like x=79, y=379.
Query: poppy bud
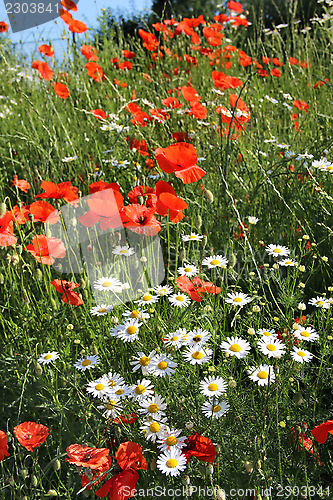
x=94, y=350
x=248, y=466
x=209, y=469
x=185, y=480
x=56, y=464
x=34, y=481
x=3, y=209
x=39, y=274
x=52, y=493
x=140, y=200
x=53, y=303
x=198, y=221
x=209, y=195
x=24, y=473
x=38, y=369
x=233, y=260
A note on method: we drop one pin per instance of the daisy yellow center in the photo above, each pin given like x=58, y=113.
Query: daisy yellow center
x=188, y=269
x=262, y=375
x=144, y=361
x=48, y=356
x=154, y=427
x=320, y=303
x=106, y=284
x=153, y=408
x=173, y=339
x=197, y=338
x=213, y=387
x=288, y=262
x=305, y=334
x=146, y=298
x=86, y=362
x=271, y=347
x=131, y=330
x=162, y=365
x=171, y=463
x=171, y=441
x=267, y=334
x=102, y=310
x=99, y=387
x=120, y=392
x=277, y=250
x=235, y=348
x=180, y=298
x=197, y=355
x=216, y=408
x=140, y=389
x=237, y=299
x=123, y=251
x=301, y=353
x=112, y=383
x=192, y=237
x=135, y=314
x=329, y=167
x=214, y=262
x=111, y=405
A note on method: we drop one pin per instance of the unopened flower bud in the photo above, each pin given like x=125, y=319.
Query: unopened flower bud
x=3, y=209
x=56, y=464
x=209, y=469
x=248, y=466
x=34, y=481
x=185, y=480
x=38, y=369
x=52, y=493
x=198, y=221
x=209, y=195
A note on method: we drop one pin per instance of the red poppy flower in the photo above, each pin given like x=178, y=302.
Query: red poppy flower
x=300, y=105
x=140, y=219
x=171, y=102
x=168, y=203
x=77, y=26
x=145, y=192
x=94, y=71
x=44, y=70
x=65, y=16
x=45, y=250
x=126, y=419
x=125, y=65
x=20, y=214
x=63, y=190
x=198, y=110
x=30, y=435
x=140, y=146
x=105, y=208
x=47, y=50
x=276, y=72
x=306, y=443
x=190, y=94
x=89, y=52
x=44, y=212
x=69, y=5
x=224, y=82
x=7, y=237
x=200, y=447
x=85, y=456
x=3, y=27
x=130, y=459
x=320, y=432
x=99, y=113
x=61, y=90
x=96, y=475
x=197, y=287
x=277, y=61
x=66, y=287
x=128, y=54
x=101, y=186
x=181, y=159
x=21, y=184
x=300, y=320
x=293, y=61
x=3, y=445
x=150, y=41
x=235, y=6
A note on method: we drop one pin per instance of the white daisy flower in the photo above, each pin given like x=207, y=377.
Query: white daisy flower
x=142, y=389
x=163, y=290
x=197, y=337
x=266, y=333
x=322, y=164
x=122, y=391
x=238, y=299
x=143, y=362
x=283, y=145
x=172, y=462
x=288, y=263
x=198, y=356
x=123, y=250
x=301, y=355
x=215, y=410
x=236, y=346
x=175, y=339
x=114, y=380
x=137, y=314
x=108, y=284
x=273, y=348
x=277, y=250
x=320, y=302
x=162, y=365
x=171, y=439
x=154, y=429
x=262, y=375
x=188, y=270
x=215, y=261
x=192, y=237
x=48, y=357
x=67, y=159
x=213, y=387
x=153, y=406
x=112, y=407
x=253, y=220
x=101, y=310
x=86, y=363
x=179, y=300
x=129, y=331
x=99, y=388
x=308, y=334
x=147, y=299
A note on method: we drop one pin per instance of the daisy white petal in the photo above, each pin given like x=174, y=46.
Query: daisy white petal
x=86, y=363
x=48, y=357
x=172, y=462
x=236, y=346
x=262, y=375
x=215, y=410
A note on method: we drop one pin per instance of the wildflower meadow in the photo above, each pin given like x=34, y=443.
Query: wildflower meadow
x=166, y=261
